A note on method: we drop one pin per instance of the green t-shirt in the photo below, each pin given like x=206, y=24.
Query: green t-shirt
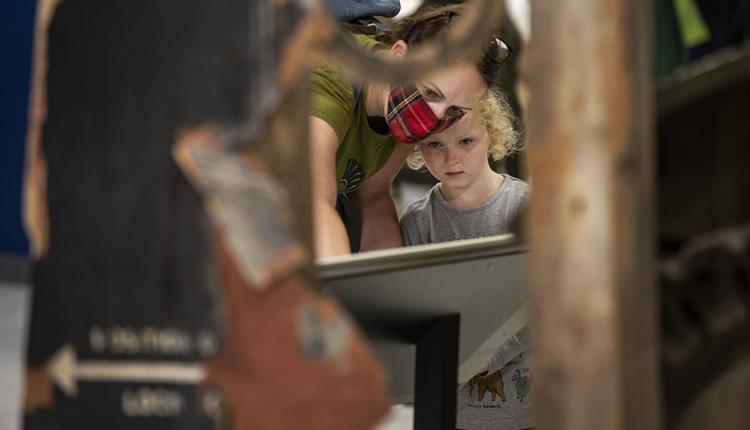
x=362, y=151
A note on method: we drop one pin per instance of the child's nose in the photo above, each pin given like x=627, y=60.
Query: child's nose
x=451, y=155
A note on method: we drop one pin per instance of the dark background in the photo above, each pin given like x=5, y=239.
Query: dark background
x=16, y=34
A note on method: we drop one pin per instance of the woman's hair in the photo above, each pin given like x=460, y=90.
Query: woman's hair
x=432, y=23
x=496, y=115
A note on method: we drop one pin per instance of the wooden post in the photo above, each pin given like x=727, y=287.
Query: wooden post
x=591, y=140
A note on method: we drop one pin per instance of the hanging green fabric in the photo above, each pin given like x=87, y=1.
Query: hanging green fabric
x=693, y=28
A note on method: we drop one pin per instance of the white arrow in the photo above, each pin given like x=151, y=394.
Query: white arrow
x=66, y=371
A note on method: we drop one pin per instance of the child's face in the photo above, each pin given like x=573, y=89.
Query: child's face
x=457, y=157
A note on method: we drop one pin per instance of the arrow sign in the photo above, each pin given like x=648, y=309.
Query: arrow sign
x=66, y=371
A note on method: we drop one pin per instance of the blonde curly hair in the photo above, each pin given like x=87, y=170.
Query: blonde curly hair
x=496, y=114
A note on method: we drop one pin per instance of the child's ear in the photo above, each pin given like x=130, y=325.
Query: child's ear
x=398, y=50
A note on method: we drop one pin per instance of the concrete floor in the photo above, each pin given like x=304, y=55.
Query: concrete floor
x=14, y=305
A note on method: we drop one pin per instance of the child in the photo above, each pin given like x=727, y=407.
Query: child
x=470, y=201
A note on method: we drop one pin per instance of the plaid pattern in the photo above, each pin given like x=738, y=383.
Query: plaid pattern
x=410, y=118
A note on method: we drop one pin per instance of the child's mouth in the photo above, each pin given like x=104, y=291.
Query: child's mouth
x=453, y=173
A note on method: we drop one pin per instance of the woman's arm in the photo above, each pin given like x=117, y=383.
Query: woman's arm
x=380, y=227
x=328, y=229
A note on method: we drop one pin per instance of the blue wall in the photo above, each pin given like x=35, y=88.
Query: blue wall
x=16, y=33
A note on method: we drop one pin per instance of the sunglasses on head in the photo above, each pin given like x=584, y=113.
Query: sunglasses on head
x=497, y=50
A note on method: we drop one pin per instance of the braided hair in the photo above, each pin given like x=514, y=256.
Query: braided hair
x=430, y=24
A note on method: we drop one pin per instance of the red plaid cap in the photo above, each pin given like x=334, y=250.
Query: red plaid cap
x=410, y=117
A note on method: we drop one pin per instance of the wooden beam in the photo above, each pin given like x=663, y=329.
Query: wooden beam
x=594, y=295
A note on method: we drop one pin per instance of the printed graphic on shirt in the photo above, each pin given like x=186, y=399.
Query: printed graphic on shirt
x=352, y=177
x=484, y=383
x=518, y=378
x=509, y=405
x=522, y=379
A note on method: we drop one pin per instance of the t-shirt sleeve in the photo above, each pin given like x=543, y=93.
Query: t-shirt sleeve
x=526, y=195
x=410, y=228
x=332, y=99
x=407, y=235
x=518, y=199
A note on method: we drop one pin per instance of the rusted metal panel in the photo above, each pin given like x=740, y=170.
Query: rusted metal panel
x=127, y=318
x=590, y=140
x=280, y=333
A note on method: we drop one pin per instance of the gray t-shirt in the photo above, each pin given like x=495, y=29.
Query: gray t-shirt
x=498, y=399
x=431, y=219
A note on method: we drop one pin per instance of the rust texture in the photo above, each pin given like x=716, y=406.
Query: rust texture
x=37, y=387
x=312, y=346
x=38, y=390
x=35, y=176
x=590, y=140
x=128, y=247
x=344, y=388
x=256, y=189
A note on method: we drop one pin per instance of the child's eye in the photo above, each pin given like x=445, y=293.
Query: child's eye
x=433, y=145
x=466, y=142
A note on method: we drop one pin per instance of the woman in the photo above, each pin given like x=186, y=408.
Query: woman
x=360, y=134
